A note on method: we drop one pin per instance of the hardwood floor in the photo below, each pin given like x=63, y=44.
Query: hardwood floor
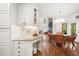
x=49, y=50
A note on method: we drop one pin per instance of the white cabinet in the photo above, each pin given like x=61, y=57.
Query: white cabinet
x=25, y=47
x=4, y=20
x=4, y=15
x=4, y=7
x=4, y=50
x=27, y=13
x=4, y=36
x=18, y=52
x=4, y=29
x=20, y=48
x=4, y=42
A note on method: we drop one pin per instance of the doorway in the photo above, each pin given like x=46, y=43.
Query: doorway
x=50, y=24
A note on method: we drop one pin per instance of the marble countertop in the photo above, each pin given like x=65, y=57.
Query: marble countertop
x=27, y=38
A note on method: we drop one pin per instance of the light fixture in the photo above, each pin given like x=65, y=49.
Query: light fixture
x=59, y=20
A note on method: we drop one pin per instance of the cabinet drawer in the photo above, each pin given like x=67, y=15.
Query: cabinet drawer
x=18, y=52
x=4, y=50
x=4, y=36
x=18, y=42
x=17, y=46
x=4, y=20
x=4, y=8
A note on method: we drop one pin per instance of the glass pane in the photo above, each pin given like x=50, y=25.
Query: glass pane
x=73, y=28
x=64, y=28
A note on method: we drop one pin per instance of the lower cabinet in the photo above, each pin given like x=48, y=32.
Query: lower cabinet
x=24, y=47
x=4, y=50
x=4, y=42
x=18, y=48
x=18, y=52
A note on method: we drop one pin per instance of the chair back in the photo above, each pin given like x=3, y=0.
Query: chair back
x=71, y=38
x=59, y=33
x=59, y=38
x=48, y=34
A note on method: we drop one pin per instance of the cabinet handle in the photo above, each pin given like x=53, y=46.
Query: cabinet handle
x=18, y=55
x=18, y=46
x=18, y=51
x=18, y=42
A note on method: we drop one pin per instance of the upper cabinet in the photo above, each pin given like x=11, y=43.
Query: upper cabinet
x=28, y=13
x=4, y=8
x=4, y=15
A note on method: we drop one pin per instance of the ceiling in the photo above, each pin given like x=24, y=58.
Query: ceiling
x=57, y=9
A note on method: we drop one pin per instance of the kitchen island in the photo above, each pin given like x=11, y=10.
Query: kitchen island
x=23, y=46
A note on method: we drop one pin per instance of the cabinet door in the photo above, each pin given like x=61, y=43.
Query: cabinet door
x=4, y=20
x=18, y=52
x=4, y=50
x=25, y=14
x=4, y=7
x=4, y=42
x=28, y=48
x=18, y=48
x=4, y=15
x=4, y=36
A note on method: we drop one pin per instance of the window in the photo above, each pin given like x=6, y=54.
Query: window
x=73, y=28
x=64, y=28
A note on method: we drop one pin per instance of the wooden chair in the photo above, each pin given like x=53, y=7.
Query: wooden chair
x=53, y=40
x=49, y=34
x=59, y=33
x=71, y=40
x=59, y=39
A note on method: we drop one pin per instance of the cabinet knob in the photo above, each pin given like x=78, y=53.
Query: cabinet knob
x=18, y=55
x=18, y=42
x=18, y=51
x=18, y=46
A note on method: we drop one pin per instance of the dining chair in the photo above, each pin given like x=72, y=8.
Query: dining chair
x=49, y=34
x=59, y=40
x=71, y=40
